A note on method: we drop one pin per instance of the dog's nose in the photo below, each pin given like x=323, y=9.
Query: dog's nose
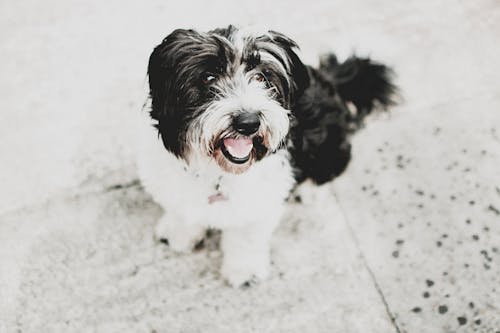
x=246, y=123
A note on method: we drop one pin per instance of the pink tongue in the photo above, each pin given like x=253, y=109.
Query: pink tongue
x=239, y=148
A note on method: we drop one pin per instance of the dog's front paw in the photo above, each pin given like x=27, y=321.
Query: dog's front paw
x=240, y=272
x=179, y=237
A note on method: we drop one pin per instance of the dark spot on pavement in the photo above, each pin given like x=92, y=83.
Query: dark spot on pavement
x=493, y=209
x=442, y=309
x=200, y=245
x=429, y=283
x=462, y=321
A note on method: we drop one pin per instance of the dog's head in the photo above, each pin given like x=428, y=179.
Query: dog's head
x=225, y=95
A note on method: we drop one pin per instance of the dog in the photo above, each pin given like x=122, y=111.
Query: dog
x=236, y=121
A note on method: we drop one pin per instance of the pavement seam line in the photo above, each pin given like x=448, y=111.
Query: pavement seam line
x=368, y=268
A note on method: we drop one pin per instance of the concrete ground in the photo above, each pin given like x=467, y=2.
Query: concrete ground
x=407, y=240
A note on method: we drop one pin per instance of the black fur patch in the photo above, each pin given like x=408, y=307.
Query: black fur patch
x=175, y=69
x=321, y=150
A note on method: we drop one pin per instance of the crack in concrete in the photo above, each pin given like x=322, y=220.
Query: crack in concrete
x=365, y=263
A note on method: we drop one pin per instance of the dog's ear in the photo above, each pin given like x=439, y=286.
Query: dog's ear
x=298, y=71
x=164, y=65
x=165, y=72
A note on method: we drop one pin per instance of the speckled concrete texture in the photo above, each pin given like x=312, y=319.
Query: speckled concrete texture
x=407, y=240
x=96, y=267
x=430, y=225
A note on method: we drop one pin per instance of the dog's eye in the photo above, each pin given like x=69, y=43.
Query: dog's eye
x=259, y=77
x=208, y=78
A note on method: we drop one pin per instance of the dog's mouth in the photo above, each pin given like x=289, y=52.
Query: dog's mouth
x=237, y=154
x=237, y=150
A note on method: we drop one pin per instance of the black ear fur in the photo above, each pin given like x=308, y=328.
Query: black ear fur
x=162, y=66
x=164, y=77
x=299, y=71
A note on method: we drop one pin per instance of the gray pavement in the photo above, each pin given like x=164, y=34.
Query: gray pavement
x=407, y=240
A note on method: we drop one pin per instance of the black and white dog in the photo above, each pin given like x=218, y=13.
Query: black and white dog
x=240, y=121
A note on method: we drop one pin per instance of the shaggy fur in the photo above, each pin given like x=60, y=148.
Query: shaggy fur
x=242, y=121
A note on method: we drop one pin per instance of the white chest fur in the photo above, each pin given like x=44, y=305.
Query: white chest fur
x=202, y=193
x=246, y=207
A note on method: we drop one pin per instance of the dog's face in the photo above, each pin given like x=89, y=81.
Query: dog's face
x=225, y=95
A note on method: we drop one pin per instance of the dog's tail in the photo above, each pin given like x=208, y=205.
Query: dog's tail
x=343, y=94
x=366, y=84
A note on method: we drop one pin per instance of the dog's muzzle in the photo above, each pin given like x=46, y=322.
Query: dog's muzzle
x=237, y=151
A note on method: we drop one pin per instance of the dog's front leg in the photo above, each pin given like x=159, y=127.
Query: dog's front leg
x=181, y=233
x=246, y=251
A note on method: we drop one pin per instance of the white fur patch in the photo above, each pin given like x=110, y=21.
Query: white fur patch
x=254, y=205
x=238, y=94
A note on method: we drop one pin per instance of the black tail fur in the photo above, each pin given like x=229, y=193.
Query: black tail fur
x=361, y=81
